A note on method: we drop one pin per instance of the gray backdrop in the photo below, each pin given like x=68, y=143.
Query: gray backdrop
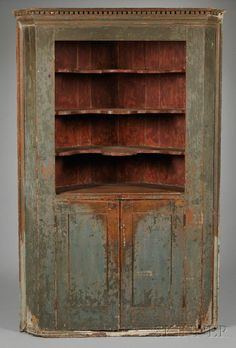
x=9, y=303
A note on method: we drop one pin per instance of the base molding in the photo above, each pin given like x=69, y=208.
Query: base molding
x=175, y=331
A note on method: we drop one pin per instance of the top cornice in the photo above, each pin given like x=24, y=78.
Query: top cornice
x=119, y=12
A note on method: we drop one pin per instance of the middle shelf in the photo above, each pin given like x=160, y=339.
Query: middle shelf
x=119, y=71
x=117, y=150
x=118, y=111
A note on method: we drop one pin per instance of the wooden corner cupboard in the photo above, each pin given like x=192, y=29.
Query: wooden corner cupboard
x=118, y=145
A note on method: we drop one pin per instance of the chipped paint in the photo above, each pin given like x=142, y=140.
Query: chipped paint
x=32, y=322
x=42, y=288
x=175, y=331
x=191, y=218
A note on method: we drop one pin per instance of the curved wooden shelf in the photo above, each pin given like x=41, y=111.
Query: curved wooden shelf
x=119, y=71
x=118, y=111
x=119, y=188
x=117, y=150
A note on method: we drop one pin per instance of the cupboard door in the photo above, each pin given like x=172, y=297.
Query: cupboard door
x=152, y=264
x=87, y=266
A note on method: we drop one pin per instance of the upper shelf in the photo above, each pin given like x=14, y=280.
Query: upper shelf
x=117, y=150
x=118, y=111
x=119, y=71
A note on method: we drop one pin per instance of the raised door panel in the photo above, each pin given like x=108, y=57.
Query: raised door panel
x=87, y=266
x=152, y=264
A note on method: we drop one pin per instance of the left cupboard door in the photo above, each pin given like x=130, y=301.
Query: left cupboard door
x=87, y=266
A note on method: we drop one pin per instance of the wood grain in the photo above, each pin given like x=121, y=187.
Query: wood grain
x=122, y=55
x=117, y=150
x=118, y=206
x=126, y=91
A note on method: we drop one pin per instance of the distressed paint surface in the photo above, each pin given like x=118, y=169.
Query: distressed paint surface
x=88, y=258
x=208, y=178
x=121, y=31
x=30, y=183
x=152, y=248
x=148, y=233
x=194, y=174
x=45, y=167
x=87, y=266
x=47, y=307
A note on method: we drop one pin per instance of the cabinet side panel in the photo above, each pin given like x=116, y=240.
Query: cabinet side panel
x=208, y=175
x=20, y=153
x=28, y=177
x=194, y=169
x=217, y=146
x=46, y=165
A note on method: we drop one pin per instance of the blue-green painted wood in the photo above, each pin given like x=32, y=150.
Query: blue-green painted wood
x=125, y=30
x=208, y=178
x=194, y=174
x=52, y=263
x=88, y=259
x=151, y=258
x=29, y=236
x=177, y=306
x=147, y=268
x=87, y=267
x=44, y=118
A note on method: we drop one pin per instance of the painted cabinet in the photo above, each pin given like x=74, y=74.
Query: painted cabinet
x=119, y=152
x=87, y=249
x=95, y=251
x=152, y=264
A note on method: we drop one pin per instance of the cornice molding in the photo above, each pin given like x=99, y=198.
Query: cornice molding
x=119, y=12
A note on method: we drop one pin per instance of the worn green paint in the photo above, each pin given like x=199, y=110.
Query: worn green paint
x=194, y=173
x=177, y=305
x=88, y=258
x=151, y=269
x=148, y=268
x=208, y=176
x=87, y=270
x=45, y=166
x=30, y=180
x=121, y=31
x=216, y=171
x=54, y=295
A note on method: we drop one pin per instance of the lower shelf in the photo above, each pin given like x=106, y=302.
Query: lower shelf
x=118, y=150
x=121, y=189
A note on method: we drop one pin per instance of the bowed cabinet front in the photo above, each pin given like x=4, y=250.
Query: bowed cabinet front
x=118, y=124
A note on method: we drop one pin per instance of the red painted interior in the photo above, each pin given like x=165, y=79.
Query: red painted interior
x=91, y=91
x=167, y=130
x=98, y=169
x=120, y=54
x=163, y=88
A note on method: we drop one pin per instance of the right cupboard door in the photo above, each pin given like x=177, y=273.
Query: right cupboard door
x=152, y=264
